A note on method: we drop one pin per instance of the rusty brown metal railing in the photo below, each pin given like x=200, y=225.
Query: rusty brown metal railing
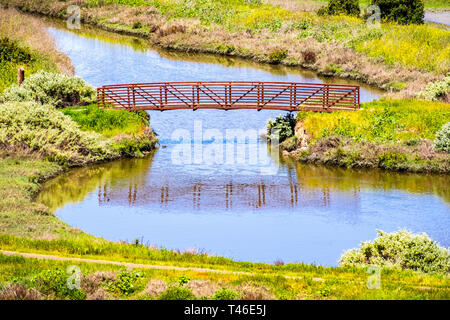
x=229, y=95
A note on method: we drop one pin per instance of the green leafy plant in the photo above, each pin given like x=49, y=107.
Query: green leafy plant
x=277, y=56
x=52, y=88
x=125, y=282
x=401, y=249
x=442, y=141
x=283, y=126
x=183, y=280
x=401, y=11
x=54, y=282
x=390, y=160
x=176, y=293
x=338, y=7
x=225, y=294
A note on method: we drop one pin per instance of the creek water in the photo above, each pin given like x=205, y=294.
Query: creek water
x=195, y=193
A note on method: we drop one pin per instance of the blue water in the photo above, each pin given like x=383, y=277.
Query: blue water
x=260, y=211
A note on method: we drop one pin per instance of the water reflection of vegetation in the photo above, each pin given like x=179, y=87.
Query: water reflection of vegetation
x=350, y=179
x=76, y=184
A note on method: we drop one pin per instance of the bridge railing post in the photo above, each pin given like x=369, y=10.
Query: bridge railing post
x=134, y=96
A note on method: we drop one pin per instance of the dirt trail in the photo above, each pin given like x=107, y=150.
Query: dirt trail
x=127, y=264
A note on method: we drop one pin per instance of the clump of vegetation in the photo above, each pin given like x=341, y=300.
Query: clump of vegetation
x=401, y=11
x=11, y=51
x=401, y=249
x=225, y=294
x=338, y=7
x=55, y=282
x=389, y=134
x=176, y=293
x=137, y=25
x=125, y=282
x=52, y=88
x=437, y=90
x=289, y=144
x=283, y=127
x=442, y=141
x=32, y=128
x=277, y=56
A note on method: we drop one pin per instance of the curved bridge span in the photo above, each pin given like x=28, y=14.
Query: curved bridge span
x=229, y=95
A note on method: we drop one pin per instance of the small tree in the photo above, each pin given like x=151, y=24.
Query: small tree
x=337, y=7
x=401, y=11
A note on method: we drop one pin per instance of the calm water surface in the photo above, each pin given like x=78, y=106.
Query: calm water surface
x=294, y=212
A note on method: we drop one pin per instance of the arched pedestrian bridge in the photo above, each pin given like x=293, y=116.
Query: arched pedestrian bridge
x=229, y=95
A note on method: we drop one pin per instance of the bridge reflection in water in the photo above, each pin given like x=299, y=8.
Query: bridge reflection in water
x=131, y=182
x=232, y=195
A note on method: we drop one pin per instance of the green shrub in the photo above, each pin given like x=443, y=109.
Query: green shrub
x=125, y=282
x=134, y=145
x=289, y=144
x=137, y=25
x=283, y=125
x=442, y=141
x=277, y=56
x=401, y=11
x=400, y=249
x=10, y=51
x=391, y=160
x=338, y=7
x=183, y=280
x=54, y=282
x=225, y=294
x=436, y=90
x=177, y=293
x=27, y=127
x=52, y=88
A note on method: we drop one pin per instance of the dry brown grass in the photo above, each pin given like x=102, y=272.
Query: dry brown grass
x=297, y=5
x=92, y=285
x=154, y=288
x=203, y=288
x=31, y=31
x=17, y=291
x=250, y=291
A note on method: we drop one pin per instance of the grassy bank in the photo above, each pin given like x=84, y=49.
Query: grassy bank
x=393, y=57
x=46, y=279
x=30, y=227
x=388, y=134
x=25, y=43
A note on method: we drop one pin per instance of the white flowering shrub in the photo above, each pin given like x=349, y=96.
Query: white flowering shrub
x=52, y=88
x=401, y=249
x=28, y=127
x=442, y=141
x=436, y=90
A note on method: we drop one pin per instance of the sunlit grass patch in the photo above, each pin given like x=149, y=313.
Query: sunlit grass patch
x=108, y=122
x=385, y=120
x=421, y=46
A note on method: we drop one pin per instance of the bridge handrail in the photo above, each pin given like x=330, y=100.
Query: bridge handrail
x=291, y=96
